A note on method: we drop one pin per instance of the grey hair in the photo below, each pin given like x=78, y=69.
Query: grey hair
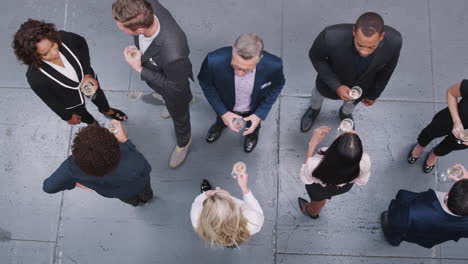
x=248, y=46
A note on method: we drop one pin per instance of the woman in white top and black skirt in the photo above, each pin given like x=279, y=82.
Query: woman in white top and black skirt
x=59, y=65
x=333, y=170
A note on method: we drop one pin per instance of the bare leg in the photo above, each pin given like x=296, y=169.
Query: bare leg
x=314, y=208
x=417, y=151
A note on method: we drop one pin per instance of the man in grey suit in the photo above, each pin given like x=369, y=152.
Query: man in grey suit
x=160, y=55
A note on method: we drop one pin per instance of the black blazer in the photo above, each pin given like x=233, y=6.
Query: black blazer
x=166, y=66
x=332, y=56
x=57, y=91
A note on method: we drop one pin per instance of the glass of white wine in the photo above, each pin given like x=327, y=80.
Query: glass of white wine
x=355, y=92
x=239, y=123
x=464, y=137
x=113, y=128
x=454, y=171
x=346, y=125
x=88, y=90
x=238, y=169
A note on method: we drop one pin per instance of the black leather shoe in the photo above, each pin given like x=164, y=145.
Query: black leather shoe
x=308, y=119
x=426, y=168
x=385, y=228
x=302, y=206
x=214, y=132
x=411, y=159
x=205, y=186
x=250, y=141
x=344, y=116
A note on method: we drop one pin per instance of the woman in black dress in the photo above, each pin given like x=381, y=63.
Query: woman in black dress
x=59, y=65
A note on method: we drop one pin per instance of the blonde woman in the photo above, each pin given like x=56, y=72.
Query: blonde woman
x=223, y=220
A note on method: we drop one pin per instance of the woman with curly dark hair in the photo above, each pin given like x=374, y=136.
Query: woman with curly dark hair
x=333, y=170
x=59, y=69
x=106, y=163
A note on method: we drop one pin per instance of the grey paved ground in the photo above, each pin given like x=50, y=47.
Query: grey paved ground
x=80, y=227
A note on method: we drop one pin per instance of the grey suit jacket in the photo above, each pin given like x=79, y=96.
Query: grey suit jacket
x=166, y=66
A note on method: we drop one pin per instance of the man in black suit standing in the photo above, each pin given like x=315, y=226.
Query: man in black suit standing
x=160, y=55
x=345, y=55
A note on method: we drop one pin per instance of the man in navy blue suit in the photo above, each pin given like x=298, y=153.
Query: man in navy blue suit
x=241, y=83
x=427, y=218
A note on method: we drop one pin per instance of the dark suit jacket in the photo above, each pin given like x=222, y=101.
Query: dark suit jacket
x=216, y=78
x=166, y=66
x=419, y=218
x=128, y=179
x=57, y=91
x=332, y=56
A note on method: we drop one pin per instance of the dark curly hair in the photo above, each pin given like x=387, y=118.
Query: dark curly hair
x=95, y=150
x=26, y=38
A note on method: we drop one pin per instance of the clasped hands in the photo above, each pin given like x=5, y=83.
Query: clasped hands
x=228, y=119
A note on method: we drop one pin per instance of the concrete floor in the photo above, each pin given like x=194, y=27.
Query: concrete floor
x=80, y=227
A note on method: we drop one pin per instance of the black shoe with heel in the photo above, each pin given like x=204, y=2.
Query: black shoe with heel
x=303, y=207
x=426, y=168
x=205, y=186
x=411, y=159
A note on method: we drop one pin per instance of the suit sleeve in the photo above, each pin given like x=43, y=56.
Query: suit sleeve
x=205, y=79
x=174, y=76
x=82, y=51
x=60, y=180
x=383, y=76
x=270, y=97
x=48, y=97
x=318, y=54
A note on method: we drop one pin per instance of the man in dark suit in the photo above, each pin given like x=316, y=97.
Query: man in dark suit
x=428, y=218
x=241, y=82
x=346, y=55
x=161, y=58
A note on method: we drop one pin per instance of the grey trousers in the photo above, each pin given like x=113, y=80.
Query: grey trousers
x=316, y=102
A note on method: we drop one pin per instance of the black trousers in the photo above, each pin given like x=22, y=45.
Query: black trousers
x=100, y=101
x=441, y=125
x=220, y=122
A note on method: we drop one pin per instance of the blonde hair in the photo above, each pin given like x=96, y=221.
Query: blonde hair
x=221, y=221
x=133, y=14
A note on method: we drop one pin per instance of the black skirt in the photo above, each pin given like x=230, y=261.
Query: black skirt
x=318, y=192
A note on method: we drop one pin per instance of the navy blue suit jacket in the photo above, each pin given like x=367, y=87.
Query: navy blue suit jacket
x=419, y=218
x=125, y=181
x=216, y=79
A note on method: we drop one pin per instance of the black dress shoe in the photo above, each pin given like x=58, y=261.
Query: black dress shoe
x=205, y=186
x=214, y=132
x=302, y=205
x=385, y=228
x=250, y=141
x=308, y=119
x=426, y=168
x=344, y=116
x=411, y=159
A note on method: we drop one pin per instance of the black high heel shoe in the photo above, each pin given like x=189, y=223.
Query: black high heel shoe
x=411, y=159
x=303, y=207
x=426, y=168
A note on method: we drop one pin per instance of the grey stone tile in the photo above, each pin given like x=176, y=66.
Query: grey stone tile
x=453, y=261
x=303, y=21
x=387, y=138
x=293, y=259
x=93, y=20
x=34, y=143
x=16, y=252
x=168, y=215
x=218, y=24
x=449, y=43
x=13, y=14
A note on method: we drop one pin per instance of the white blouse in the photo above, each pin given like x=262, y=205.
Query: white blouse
x=67, y=71
x=308, y=167
x=249, y=206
